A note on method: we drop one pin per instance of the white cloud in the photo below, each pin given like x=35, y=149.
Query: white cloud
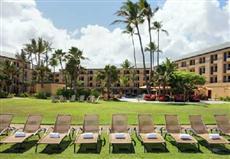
x=192, y=25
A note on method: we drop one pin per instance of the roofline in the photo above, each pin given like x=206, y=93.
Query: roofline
x=202, y=54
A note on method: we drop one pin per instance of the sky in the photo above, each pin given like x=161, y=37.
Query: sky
x=86, y=24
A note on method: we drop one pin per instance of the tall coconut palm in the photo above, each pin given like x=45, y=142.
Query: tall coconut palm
x=21, y=57
x=53, y=62
x=148, y=13
x=131, y=14
x=129, y=30
x=159, y=28
x=61, y=57
x=73, y=66
x=107, y=78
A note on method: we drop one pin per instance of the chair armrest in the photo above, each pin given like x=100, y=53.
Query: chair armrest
x=100, y=131
x=130, y=131
x=162, y=129
x=109, y=130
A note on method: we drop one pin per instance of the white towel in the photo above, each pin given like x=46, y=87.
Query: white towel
x=120, y=135
x=87, y=135
x=214, y=136
x=185, y=136
x=54, y=135
x=20, y=134
x=151, y=136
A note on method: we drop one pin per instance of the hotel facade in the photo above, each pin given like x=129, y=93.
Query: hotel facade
x=213, y=63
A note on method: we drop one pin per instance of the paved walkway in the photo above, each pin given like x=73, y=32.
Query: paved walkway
x=136, y=100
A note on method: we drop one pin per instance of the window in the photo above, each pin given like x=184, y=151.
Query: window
x=90, y=78
x=226, y=67
x=226, y=55
x=192, y=70
x=126, y=72
x=138, y=72
x=90, y=72
x=213, y=79
x=213, y=69
x=183, y=64
x=192, y=62
x=202, y=60
x=136, y=85
x=202, y=70
x=213, y=58
x=81, y=78
x=138, y=78
x=147, y=71
x=90, y=84
x=226, y=79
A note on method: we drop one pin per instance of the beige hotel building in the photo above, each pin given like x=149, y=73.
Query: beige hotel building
x=214, y=64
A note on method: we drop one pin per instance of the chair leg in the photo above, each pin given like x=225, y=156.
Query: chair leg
x=36, y=148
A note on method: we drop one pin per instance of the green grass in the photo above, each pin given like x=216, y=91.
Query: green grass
x=22, y=107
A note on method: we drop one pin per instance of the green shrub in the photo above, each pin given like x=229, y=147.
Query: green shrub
x=66, y=93
x=42, y=95
x=24, y=95
x=3, y=94
x=85, y=92
x=227, y=98
x=10, y=95
x=95, y=93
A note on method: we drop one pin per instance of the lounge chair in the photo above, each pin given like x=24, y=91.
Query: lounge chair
x=199, y=129
x=119, y=131
x=174, y=129
x=90, y=133
x=54, y=99
x=223, y=124
x=73, y=98
x=146, y=132
x=57, y=133
x=31, y=127
x=81, y=98
x=62, y=98
x=5, y=121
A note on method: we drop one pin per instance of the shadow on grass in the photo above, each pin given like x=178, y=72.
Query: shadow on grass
x=124, y=148
x=156, y=148
x=56, y=149
x=21, y=148
x=217, y=148
x=91, y=148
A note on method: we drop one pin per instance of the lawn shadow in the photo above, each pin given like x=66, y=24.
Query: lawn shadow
x=92, y=148
x=187, y=104
x=56, y=149
x=124, y=148
x=217, y=148
x=21, y=148
x=156, y=148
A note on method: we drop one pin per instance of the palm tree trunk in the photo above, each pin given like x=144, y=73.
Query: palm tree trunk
x=150, y=51
x=158, y=49
x=143, y=58
x=134, y=52
x=63, y=74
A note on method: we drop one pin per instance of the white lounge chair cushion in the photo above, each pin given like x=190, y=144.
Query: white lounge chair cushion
x=151, y=136
x=120, y=135
x=54, y=135
x=87, y=135
x=185, y=136
x=214, y=136
x=20, y=134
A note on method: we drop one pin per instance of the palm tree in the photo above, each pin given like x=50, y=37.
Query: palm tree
x=53, y=62
x=21, y=57
x=108, y=77
x=158, y=27
x=164, y=73
x=148, y=13
x=131, y=14
x=129, y=30
x=42, y=73
x=73, y=65
x=124, y=79
x=61, y=57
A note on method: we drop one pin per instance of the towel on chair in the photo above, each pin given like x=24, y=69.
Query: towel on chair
x=151, y=135
x=120, y=135
x=54, y=135
x=214, y=136
x=87, y=135
x=185, y=136
x=20, y=134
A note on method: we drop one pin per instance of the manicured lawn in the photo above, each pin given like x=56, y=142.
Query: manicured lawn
x=22, y=107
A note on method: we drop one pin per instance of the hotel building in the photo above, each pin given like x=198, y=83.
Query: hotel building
x=214, y=64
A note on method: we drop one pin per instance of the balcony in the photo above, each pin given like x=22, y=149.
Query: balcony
x=228, y=71
x=228, y=59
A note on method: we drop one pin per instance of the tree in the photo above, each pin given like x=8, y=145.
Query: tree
x=42, y=71
x=164, y=73
x=126, y=67
x=53, y=63
x=184, y=82
x=21, y=57
x=132, y=15
x=148, y=13
x=73, y=66
x=158, y=27
x=61, y=57
x=107, y=77
x=130, y=30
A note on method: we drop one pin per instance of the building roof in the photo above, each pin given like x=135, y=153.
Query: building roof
x=7, y=54
x=205, y=51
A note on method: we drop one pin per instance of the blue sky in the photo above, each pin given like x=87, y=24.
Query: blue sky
x=72, y=14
